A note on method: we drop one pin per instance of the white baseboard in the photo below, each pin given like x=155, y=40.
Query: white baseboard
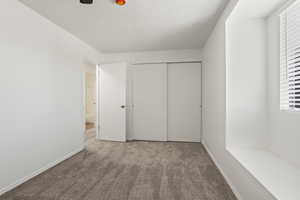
x=39, y=171
x=233, y=188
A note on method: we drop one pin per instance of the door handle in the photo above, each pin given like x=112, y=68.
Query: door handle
x=124, y=106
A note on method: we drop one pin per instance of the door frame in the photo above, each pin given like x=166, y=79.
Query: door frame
x=97, y=102
x=84, y=106
x=130, y=68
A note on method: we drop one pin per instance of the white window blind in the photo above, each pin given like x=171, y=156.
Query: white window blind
x=290, y=58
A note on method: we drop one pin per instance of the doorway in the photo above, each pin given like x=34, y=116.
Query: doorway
x=90, y=104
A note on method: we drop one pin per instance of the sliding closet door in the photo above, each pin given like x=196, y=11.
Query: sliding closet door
x=184, y=102
x=149, y=92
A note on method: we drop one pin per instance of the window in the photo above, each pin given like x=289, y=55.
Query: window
x=290, y=58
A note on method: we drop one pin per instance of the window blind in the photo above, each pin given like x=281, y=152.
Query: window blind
x=290, y=58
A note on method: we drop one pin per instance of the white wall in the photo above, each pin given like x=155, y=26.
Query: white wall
x=214, y=122
x=247, y=83
x=284, y=125
x=41, y=84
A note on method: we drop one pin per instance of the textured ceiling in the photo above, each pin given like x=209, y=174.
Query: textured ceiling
x=139, y=26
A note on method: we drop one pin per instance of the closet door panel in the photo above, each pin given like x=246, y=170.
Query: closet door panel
x=149, y=92
x=184, y=102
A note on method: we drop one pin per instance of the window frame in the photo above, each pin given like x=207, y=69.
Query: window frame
x=284, y=94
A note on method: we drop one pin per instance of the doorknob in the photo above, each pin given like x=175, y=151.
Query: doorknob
x=123, y=106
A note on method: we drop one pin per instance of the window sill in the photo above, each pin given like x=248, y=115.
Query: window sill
x=296, y=111
x=278, y=176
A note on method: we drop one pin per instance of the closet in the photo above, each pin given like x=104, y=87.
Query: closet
x=165, y=102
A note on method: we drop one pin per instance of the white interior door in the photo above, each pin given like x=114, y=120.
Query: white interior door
x=184, y=102
x=149, y=92
x=112, y=101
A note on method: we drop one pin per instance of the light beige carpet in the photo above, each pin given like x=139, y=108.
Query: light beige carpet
x=133, y=171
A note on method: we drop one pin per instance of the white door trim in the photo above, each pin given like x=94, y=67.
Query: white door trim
x=84, y=105
x=97, y=102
